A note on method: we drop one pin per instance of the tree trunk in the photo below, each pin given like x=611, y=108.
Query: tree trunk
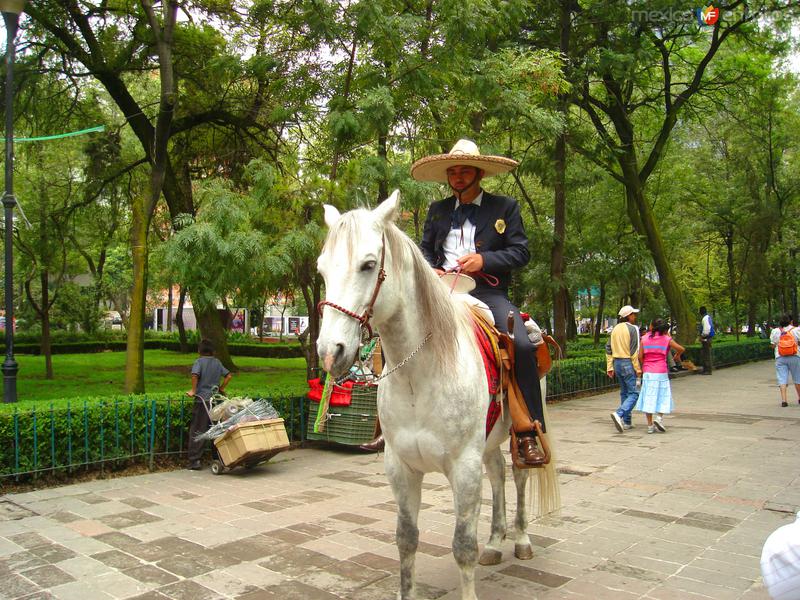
x=557, y=261
x=179, y=321
x=143, y=210
x=169, y=308
x=47, y=350
x=134, y=354
x=644, y=222
x=312, y=291
x=212, y=329
x=600, y=308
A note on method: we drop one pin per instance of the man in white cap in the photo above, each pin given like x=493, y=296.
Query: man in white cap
x=482, y=235
x=622, y=360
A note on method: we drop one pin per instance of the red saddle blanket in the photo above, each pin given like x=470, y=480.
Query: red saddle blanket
x=490, y=363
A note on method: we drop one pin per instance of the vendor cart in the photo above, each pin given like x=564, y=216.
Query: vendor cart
x=247, y=443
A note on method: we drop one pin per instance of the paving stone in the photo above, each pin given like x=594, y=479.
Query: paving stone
x=354, y=518
x=187, y=590
x=16, y=586
x=48, y=576
x=150, y=574
x=550, y=580
x=667, y=517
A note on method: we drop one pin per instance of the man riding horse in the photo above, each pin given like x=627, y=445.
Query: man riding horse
x=481, y=234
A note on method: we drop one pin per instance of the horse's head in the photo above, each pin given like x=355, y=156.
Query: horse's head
x=351, y=263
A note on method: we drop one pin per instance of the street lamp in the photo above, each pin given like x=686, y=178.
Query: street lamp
x=11, y=10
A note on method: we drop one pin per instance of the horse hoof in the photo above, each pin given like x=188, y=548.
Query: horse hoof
x=490, y=557
x=523, y=552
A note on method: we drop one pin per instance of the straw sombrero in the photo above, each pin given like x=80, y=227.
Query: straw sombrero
x=465, y=152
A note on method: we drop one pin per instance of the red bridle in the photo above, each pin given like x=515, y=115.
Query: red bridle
x=364, y=318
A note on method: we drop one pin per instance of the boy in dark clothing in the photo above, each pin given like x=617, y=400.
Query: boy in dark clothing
x=206, y=374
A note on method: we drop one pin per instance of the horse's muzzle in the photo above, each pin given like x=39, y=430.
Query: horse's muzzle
x=336, y=360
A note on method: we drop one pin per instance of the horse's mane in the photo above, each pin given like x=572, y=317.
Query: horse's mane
x=438, y=314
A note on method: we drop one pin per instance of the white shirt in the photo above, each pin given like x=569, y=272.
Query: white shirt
x=780, y=562
x=706, y=325
x=775, y=336
x=460, y=242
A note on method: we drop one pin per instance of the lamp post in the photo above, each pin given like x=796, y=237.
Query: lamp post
x=11, y=10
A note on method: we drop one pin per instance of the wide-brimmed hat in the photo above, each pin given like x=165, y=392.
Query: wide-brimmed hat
x=627, y=310
x=465, y=152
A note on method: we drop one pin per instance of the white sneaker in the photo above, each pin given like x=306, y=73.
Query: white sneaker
x=651, y=429
x=659, y=425
x=627, y=426
x=618, y=422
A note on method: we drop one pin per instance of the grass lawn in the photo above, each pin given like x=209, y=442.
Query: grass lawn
x=103, y=374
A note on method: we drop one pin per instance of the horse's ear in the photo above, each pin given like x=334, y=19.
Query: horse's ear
x=331, y=215
x=388, y=210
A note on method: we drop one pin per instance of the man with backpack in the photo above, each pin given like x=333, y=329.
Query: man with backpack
x=706, y=335
x=786, y=341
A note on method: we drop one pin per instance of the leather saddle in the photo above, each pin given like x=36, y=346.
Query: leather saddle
x=503, y=346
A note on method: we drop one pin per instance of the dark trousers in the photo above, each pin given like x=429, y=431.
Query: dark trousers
x=200, y=424
x=706, y=356
x=526, y=367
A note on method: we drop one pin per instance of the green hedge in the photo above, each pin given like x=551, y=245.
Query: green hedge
x=268, y=350
x=93, y=432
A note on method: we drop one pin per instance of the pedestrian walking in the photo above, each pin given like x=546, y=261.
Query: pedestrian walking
x=207, y=371
x=655, y=397
x=707, y=333
x=622, y=360
x=785, y=339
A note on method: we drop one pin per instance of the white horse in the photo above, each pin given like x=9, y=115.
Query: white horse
x=433, y=404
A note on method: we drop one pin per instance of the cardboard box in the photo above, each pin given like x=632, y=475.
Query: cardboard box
x=251, y=440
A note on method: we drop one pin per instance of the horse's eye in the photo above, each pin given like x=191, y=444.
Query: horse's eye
x=368, y=266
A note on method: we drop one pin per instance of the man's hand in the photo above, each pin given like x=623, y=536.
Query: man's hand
x=471, y=263
x=190, y=393
x=610, y=373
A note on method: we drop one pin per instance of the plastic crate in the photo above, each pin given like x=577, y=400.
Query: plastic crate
x=251, y=440
x=350, y=425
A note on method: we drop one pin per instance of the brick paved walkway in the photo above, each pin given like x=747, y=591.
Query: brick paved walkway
x=680, y=515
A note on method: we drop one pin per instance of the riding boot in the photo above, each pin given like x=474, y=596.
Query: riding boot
x=525, y=430
x=377, y=444
x=529, y=450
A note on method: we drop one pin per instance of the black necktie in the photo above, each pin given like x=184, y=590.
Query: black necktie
x=461, y=214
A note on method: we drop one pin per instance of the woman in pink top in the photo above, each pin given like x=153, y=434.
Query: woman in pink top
x=655, y=396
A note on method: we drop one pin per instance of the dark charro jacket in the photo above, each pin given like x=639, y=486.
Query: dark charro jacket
x=499, y=236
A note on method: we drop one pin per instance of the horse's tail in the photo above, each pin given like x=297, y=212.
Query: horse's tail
x=544, y=492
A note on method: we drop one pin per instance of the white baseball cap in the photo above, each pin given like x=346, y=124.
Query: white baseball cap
x=627, y=310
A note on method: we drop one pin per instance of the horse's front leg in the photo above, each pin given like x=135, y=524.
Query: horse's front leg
x=407, y=488
x=496, y=470
x=465, y=479
x=522, y=543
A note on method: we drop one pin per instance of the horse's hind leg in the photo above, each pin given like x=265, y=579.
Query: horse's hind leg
x=407, y=488
x=522, y=543
x=496, y=470
x=465, y=479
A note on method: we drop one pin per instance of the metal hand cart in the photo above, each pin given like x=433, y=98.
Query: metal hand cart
x=246, y=444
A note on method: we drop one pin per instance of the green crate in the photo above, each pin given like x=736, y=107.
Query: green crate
x=351, y=425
